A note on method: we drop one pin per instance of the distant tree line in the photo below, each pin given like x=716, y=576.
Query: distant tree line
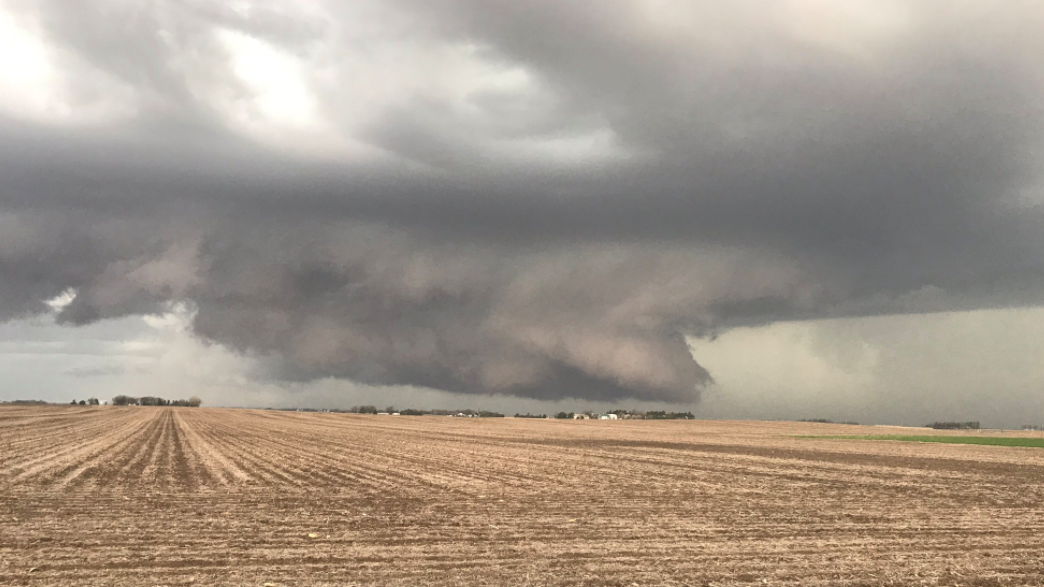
x=471, y=413
x=954, y=425
x=391, y=410
x=85, y=402
x=631, y=415
x=669, y=416
x=126, y=400
x=416, y=412
x=25, y=402
x=825, y=421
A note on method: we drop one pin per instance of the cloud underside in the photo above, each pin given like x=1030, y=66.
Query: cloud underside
x=540, y=200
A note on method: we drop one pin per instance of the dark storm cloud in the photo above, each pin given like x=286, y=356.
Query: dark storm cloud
x=638, y=172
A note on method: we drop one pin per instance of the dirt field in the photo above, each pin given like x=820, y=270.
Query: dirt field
x=179, y=496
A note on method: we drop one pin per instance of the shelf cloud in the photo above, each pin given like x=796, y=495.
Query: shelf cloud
x=538, y=199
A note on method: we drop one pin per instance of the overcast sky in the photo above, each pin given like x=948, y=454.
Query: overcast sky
x=802, y=208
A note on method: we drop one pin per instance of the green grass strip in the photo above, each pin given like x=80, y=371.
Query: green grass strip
x=986, y=440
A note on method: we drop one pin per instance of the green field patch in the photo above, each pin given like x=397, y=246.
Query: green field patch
x=985, y=440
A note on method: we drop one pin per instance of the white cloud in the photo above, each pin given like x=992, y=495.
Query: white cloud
x=28, y=77
x=34, y=80
x=61, y=300
x=281, y=98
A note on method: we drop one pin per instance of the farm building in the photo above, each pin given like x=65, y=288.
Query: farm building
x=608, y=417
x=581, y=417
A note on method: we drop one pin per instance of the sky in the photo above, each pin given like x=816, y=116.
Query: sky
x=797, y=209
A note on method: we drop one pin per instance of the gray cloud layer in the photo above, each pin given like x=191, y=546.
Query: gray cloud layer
x=537, y=199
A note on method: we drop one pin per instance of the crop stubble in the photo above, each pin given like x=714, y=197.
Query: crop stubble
x=175, y=496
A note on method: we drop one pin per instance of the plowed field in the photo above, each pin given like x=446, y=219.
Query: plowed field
x=179, y=496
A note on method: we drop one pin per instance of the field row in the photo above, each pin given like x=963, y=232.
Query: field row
x=171, y=496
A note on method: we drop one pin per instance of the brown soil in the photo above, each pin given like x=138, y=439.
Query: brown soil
x=179, y=496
